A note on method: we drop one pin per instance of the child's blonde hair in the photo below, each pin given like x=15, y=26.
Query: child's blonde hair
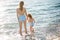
x=29, y=15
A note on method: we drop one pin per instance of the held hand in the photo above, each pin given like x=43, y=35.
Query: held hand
x=26, y=18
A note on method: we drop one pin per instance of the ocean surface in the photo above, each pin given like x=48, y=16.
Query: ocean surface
x=45, y=12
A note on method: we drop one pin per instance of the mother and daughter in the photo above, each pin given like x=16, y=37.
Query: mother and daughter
x=23, y=17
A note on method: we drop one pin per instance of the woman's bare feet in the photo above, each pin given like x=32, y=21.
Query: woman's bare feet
x=21, y=34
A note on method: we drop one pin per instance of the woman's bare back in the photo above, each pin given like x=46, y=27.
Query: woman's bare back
x=19, y=12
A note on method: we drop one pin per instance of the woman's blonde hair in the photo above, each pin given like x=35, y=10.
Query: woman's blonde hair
x=21, y=5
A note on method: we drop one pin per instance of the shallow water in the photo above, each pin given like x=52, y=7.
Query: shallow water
x=45, y=12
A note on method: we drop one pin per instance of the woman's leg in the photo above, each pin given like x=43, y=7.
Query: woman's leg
x=20, y=28
x=25, y=26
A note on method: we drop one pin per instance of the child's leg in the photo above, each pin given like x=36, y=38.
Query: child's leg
x=30, y=29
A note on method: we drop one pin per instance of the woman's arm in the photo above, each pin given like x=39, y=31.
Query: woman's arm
x=17, y=13
x=26, y=13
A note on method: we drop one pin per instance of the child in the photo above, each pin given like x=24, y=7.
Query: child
x=31, y=22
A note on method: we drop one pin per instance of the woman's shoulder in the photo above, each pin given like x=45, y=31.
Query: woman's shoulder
x=17, y=9
x=24, y=8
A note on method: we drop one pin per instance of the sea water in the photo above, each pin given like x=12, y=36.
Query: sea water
x=45, y=12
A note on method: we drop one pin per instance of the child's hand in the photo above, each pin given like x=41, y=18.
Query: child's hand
x=34, y=20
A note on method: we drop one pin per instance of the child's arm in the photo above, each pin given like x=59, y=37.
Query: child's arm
x=34, y=20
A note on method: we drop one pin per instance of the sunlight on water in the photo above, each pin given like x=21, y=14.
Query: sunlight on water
x=45, y=12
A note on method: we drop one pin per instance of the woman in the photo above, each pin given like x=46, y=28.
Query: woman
x=21, y=15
